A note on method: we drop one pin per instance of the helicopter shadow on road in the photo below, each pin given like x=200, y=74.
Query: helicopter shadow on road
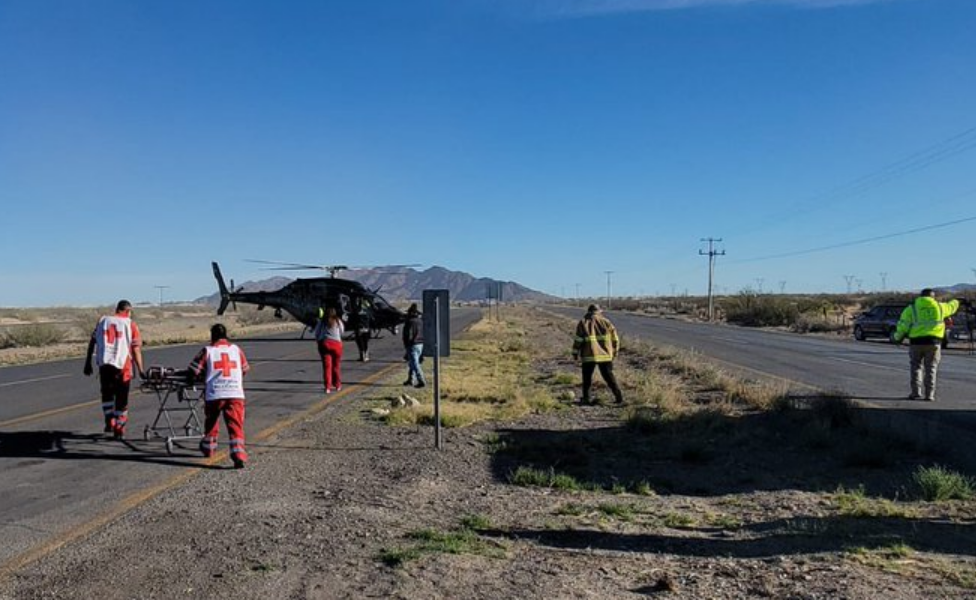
x=69, y=445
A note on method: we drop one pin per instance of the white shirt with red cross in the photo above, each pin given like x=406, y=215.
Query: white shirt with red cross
x=226, y=365
x=113, y=341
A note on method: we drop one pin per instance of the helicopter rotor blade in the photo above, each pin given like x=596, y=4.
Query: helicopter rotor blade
x=285, y=265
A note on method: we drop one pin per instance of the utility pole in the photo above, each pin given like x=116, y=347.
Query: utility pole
x=849, y=279
x=160, y=288
x=609, y=273
x=782, y=287
x=884, y=281
x=759, y=282
x=711, y=254
x=577, y=294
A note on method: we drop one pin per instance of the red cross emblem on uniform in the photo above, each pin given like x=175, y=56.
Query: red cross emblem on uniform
x=225, y=364
x=111, y=334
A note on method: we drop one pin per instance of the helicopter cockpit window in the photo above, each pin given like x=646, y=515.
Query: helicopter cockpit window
x=379, y=302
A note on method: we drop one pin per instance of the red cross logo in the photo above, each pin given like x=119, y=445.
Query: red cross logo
x=111, y=334
x=225, y=364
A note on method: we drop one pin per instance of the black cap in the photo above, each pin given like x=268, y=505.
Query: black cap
x=593, y=308
x=928, y=292
x=123, y=305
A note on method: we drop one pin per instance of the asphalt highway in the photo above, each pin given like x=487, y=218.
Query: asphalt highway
x=875, y=372
x=61, y=477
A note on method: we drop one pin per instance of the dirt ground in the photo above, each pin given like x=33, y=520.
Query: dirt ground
x=345, y=506
x=314, y=513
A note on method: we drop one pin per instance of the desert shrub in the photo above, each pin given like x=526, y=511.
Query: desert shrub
x=252, y=316
x=528, y=477
x=810, y=323
x=937, y=483
x=757, y=310
x=837, y=409
x=83, y=323
x=34, y=336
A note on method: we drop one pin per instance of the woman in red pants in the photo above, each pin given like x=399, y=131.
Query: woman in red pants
x=328, y=337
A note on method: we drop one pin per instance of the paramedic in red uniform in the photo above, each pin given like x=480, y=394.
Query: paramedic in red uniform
x=117, y=344
x=223, y=366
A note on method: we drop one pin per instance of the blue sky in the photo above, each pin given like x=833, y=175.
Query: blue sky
x=539, y=141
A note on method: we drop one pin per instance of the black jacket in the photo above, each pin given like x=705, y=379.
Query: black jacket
x=413, y=330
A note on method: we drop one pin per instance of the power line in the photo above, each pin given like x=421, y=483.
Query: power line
x=858, y=242
x=916, y=161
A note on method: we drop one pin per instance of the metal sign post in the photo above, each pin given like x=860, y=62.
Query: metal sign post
x=438, y=330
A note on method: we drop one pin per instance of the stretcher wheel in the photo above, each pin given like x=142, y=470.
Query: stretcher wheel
x=169, y=446
x=145, y=433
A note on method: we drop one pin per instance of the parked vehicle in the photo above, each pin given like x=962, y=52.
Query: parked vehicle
x=879, y=321
x=882, y=321
x=962, y=328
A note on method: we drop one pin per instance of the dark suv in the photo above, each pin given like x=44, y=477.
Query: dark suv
x=880, y=321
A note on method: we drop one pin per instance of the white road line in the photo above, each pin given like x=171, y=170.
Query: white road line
x=10, y=383
x=866, y=364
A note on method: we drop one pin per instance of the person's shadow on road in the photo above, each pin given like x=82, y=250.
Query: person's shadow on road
x=68, y=445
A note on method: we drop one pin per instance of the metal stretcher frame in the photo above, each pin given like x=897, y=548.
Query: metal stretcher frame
x=177, y=395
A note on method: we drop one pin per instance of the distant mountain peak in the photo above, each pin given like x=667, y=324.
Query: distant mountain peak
x=409, y=284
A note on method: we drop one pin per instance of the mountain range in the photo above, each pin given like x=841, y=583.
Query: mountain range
x=408, y=284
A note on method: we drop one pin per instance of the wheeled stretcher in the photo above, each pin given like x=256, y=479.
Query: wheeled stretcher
x=177, y=419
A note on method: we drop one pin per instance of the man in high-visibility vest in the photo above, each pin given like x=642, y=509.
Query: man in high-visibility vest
x=596, y=344
x=223, y=366
x=923, y=323
x=116, y=345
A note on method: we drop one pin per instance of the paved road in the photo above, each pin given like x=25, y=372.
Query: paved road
x=876, y=372
x=61, y=477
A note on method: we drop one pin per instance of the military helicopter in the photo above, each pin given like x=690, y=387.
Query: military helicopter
x=303, y=298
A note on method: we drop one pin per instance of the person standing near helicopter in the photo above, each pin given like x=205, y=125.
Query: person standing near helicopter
x=363, y=328
x=328, y=338
x=413, y=345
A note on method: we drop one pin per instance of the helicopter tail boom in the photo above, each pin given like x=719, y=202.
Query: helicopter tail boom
x=224, y=292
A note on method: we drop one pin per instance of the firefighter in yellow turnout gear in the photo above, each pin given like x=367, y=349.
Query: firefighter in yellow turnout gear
x=923, y=322
x=596, y=344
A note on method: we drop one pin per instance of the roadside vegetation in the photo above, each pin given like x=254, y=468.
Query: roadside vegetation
x=40, y=334
x=799, y=313
x=698, y=456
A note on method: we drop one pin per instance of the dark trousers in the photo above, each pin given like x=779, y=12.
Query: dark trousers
x=606, y=371
x=115, y=394
x=362, y=343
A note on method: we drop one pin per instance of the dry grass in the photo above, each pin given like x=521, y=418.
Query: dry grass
x=66, y=330
x=489, y=375
x=504, y=369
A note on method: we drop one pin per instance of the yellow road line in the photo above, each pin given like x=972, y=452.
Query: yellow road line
x=135, y=499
